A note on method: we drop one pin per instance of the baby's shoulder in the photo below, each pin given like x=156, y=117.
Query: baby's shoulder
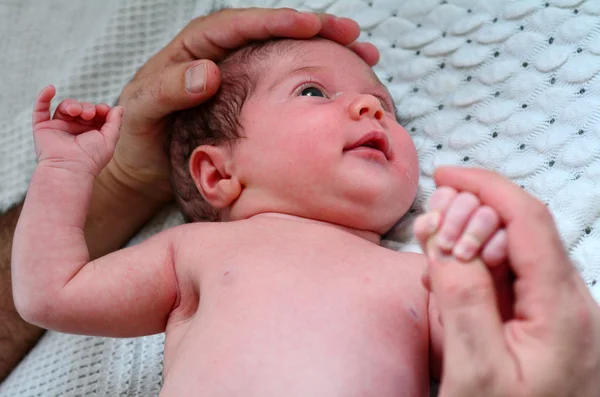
x=411, y=259
x=201, y=231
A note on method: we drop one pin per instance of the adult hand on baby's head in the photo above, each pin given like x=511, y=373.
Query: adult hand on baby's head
x=551, y=345
x=183, y=75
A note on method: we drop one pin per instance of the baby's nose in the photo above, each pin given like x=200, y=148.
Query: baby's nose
x=365, y=105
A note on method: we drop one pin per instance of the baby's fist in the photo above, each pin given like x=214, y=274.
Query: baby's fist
x=463, y=227
x=79, y=136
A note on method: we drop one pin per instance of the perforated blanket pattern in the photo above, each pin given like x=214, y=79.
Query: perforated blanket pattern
x=511, y=86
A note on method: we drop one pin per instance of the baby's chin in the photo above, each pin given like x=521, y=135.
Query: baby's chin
x=384, y=215
x=377, y=220
x=379, y=225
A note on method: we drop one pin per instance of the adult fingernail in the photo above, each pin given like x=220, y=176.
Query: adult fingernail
x=195, y=79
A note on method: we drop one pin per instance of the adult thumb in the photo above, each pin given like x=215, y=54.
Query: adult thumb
x=174, y=87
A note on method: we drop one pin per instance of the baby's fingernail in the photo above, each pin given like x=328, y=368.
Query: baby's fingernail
x=445, y=243
x=462, y=252
x=195, y=79
x=465, y=248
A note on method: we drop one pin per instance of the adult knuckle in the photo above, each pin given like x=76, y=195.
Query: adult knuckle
x=159, y=88
x=484, y=375
x=473, y=378
x=131, y=92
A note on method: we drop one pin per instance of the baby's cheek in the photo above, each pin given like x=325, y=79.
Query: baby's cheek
x=407, y=163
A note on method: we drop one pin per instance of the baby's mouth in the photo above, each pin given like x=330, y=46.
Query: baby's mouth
x=374, y=140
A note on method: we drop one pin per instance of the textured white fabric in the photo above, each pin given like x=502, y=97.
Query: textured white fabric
x=511, y=86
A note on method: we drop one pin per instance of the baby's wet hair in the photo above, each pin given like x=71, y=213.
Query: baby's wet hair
x=216, y=122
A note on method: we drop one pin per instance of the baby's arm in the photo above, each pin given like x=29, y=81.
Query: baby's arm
x=55, y=285
x=458, y=226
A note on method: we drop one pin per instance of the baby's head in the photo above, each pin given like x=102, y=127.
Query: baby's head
x=298, y=127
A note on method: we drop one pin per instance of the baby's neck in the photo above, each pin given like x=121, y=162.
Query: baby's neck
x=367, y=235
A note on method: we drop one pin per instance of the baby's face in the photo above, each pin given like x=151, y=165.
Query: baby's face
x=321, y=141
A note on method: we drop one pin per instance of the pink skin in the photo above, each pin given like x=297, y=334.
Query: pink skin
x=458, y=224
x=464, y=227
x=79, y=136
x=307, y=172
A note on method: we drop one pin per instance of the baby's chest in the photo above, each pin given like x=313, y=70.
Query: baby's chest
x=354, y=285
x=356, y=315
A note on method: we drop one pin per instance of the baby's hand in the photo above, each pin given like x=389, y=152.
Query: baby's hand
x=463, y=227
x=458, y=227
x=79, y=137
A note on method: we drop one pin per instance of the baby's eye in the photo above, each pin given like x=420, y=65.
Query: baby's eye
x=312, y=91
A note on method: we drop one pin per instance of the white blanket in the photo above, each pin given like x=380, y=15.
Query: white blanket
x=511, y=86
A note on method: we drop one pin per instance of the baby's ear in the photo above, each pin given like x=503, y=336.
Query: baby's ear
x=210, y=170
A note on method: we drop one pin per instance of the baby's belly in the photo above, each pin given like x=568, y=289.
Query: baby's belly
x=260, y=342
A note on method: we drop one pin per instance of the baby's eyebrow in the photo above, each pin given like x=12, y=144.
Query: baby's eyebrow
x=389, y=95
x=302, y=69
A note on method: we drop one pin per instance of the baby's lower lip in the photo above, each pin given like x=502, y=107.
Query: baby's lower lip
x=368, y=153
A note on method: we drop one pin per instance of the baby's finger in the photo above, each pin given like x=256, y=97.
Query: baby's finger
x=455, y=219
x=482, y=225
x=440, y=199
x=41, y=107
x=495, y=251
x=112, y=127
x=102, y=110
x=89, y=111
x=67, y=110
x=425, y=226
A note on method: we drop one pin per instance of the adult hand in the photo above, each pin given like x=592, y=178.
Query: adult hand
x=551, y=345
x=183, y=75
x=135, y=184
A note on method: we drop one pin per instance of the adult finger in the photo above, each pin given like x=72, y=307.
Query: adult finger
x=367, y=51
x=535, y=251
x=338, y=29
x=175, y=87
x=206, y=37
x=474, y=347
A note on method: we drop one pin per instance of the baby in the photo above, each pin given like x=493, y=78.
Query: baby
x=301, y=160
